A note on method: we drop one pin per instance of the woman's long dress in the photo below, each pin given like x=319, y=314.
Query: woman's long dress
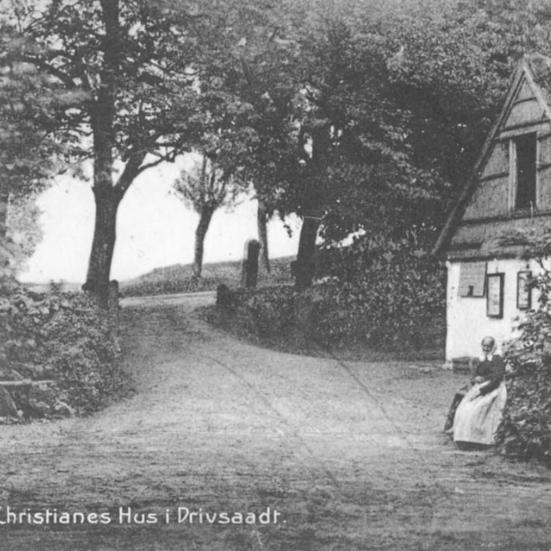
x=476, y=420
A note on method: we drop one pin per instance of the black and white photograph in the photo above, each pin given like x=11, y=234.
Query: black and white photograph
x=275, y=275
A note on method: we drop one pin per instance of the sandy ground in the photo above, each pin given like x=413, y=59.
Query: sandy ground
x=349, y=454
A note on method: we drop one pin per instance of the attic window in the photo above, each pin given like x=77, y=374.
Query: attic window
x=525, y=147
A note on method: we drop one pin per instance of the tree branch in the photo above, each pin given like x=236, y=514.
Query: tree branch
x=50, y=69
x=131, y=170
x=151, y=164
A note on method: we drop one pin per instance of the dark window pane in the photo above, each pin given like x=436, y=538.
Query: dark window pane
x=526, y=171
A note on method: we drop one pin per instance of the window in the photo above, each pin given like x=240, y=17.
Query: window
x=525, y=147
x=471, y=279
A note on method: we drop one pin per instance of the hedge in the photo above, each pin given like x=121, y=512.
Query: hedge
x=62, y=338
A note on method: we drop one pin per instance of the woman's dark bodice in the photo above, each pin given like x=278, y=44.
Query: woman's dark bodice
x=492, y=370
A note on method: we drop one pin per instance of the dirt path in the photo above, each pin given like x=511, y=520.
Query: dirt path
x=351, y=455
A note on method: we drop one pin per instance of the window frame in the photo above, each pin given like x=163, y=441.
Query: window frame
x=513, y=173
x=527, y=303
x=498, y=276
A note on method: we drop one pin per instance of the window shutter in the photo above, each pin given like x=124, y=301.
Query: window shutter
x=472, y=276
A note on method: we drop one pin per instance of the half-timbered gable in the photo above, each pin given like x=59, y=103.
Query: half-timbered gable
x=509, y=190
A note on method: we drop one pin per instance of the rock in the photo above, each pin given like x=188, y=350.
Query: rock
x=7, y=405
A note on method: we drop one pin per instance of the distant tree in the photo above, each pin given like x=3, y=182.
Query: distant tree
x=24, y=229
x=205, y=188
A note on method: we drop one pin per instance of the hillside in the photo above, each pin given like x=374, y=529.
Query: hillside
x=178, y=278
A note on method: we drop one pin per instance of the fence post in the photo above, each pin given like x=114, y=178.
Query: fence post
x=249, y=267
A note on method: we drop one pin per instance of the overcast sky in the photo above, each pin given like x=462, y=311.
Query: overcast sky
x=154, y=229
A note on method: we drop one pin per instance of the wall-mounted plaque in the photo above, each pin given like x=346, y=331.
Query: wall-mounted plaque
x=524, y=292
x=494, y=304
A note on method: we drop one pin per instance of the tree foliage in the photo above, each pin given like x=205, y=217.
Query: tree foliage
x=525, y=432
x=30, y=101
x=23, y=228
x=205, y=185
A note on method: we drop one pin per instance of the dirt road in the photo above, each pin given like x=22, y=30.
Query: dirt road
x=350, y=455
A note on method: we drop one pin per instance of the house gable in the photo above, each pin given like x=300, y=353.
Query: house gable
x=502, y=193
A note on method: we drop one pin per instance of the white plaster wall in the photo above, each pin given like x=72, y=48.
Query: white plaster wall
x=467, y=322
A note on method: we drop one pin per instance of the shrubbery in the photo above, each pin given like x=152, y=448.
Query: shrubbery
x=525, y=432
x=385, y=296
x=63, y=338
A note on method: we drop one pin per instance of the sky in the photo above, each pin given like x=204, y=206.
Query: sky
x=154, y=229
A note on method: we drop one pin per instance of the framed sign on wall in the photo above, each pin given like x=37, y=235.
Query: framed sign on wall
x=524, y=292
x=494, y=304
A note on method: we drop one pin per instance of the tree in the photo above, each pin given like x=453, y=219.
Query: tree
x=133, y=65
x=23, y=228
x=205, y=188
x=30, y=100
x=262, y=218
x=406, y=99
x=255, y=68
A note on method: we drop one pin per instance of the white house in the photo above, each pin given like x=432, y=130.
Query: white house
x=510, y=190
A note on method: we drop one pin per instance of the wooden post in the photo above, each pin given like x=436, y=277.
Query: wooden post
x=249, y=267
x=113, y=306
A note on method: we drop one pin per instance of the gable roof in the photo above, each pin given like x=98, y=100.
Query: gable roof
x=536, y=69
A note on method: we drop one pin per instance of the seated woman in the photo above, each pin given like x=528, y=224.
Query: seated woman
x=479, y=413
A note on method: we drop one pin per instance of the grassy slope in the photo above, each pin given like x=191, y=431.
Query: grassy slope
x=178, y=278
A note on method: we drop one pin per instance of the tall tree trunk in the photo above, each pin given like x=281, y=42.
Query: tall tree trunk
x=304, y=268
x=99, y=266
x=262, y=224
x=107, y=197
x=205, y=217
x=313, y=203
